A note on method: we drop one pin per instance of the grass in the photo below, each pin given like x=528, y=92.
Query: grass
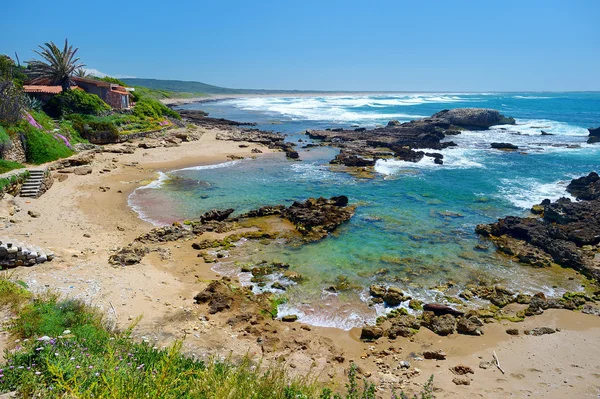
x=43, y=147
x=4, y=183
x=67, y=350
x=6, y=166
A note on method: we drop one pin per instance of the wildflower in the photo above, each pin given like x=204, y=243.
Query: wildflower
x=55, y=353
x=72, y=358
x=91, y=367
x=117, y=368
x=39, y=349
x=77, y=367
x=38, y=373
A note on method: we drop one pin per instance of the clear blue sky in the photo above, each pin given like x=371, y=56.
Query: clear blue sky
x=431, y=45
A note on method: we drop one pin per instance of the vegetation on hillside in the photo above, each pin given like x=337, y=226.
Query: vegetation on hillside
x=7, y=166
x=67, y=349
x=76, y=102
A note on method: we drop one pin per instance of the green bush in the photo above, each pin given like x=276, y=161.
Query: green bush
x=4, y=137
x=6, y=166
x=76, y=102
x=41, y=147
x=147, y=107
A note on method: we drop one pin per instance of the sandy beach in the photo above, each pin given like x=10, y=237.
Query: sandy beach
x=83, y=219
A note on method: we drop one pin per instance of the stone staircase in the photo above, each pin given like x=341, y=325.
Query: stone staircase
x=31, y=187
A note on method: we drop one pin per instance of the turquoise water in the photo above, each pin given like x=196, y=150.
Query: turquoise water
x=415, y=220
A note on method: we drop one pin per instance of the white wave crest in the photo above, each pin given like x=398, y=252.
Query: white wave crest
x=524, y=193
x=227, y=164
x=454, y=158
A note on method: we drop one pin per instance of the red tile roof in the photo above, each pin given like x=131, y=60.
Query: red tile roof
x=42, y=89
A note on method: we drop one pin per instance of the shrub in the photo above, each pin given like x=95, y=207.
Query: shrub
x=4, y=137
x=6, y=166
x=76, y=102
x=41, y=147
x=11, y=101
x=150, y=108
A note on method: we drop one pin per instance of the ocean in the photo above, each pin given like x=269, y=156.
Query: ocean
x=415, y=221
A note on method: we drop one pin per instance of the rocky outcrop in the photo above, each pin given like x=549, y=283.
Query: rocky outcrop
x=594, y=136
x=586, y=187
x=473, y=118
x=362, y=148
x=504, y=146
x=201, y=118
x=568, y=233
x=215, y=214
x=315, y=218
x=217, y=295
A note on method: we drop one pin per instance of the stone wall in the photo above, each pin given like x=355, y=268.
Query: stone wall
x=13, y=151
x=14, y=253
x=16, y=179
x=46, y=183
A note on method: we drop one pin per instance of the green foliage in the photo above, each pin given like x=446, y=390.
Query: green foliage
x=19, y=178
x=425, y=393
x=67, y=130
x=6, y=166
x=12, y=295
x=76, y=102
x=43, y=119
x=93, y=360
x=110, y=80
x=149, y=108
x=155, y=94
x=33, y=103
x=4, y=137
x=12, y=101
x=10, y=71
x=42, y=147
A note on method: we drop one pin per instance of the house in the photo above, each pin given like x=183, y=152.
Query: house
x=116, y=96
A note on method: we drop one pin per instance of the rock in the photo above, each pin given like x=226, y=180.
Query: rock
x=278, y=286
x=371, y=333
x=353, y=160
x=34, y=214
x=129, y=255
x=415, y=304
x=594, y=136
x=504, y=146
x=442, y=325
x=439, y=309
x=461, y=380
x=294, y=276
x=391, y=296
x=404, y=364
x=315, y=218
x=215, y=214
x=82, y=170
x=403, y=326
x=86, y=235
x=461, y=369
x=512, y=331
x=523, y=299
x=218, y=296
x=469, y=326
x=586, y=187
x=485, y=365
x=541, y=331
x=546, y=133
x=473, y=118
x=256, y=151
x=289, y=318
x=436, y=355
x=560, y=236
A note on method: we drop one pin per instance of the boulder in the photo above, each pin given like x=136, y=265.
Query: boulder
x=215, y=214
x=371, y=333
x=473, y=118
x=441, y=325
x=435, y=355
x=439, y=309
x=218, y=296
x=469, y=326
x=504, y=146
x=594, y=136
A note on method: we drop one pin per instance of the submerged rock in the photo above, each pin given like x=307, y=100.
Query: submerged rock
x=594, y=136
x=216, y=215
x=504, y=146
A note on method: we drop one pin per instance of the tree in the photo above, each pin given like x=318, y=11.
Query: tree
x=58, y=66
x=81, y=73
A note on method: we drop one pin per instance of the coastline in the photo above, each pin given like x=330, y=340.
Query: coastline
x=161, y=290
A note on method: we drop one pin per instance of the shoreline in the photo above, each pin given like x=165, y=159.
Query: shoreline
x=161, y=290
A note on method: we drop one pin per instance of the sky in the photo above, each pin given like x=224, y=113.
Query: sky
x=418, y=45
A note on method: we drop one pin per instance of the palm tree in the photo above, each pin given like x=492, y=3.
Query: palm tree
x=81, y=73
x=58, y=66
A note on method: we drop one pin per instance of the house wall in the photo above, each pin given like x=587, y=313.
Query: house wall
x=115, y=100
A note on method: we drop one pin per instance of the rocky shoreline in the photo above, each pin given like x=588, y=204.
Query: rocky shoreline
x=362, y=147
x=566, y=232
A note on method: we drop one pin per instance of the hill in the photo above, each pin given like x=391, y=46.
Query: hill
x=181, y=86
